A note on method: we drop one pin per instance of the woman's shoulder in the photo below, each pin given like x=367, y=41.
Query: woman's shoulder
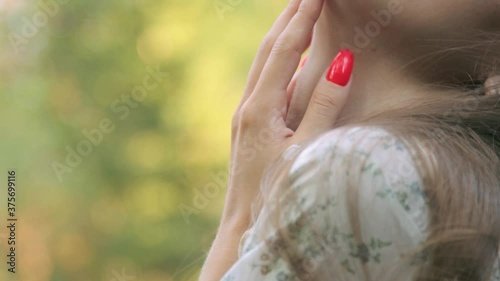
x=366, y=164
x=354, y=203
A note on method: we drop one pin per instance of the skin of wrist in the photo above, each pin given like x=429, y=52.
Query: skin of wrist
x=235, y=219
x=238, y=203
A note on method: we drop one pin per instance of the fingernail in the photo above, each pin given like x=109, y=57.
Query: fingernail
x=303, y=61
x=341, y=68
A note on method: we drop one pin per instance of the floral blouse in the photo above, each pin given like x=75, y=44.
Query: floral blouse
x=364, y=167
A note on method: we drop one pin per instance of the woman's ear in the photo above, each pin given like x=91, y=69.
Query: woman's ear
x=492, y=85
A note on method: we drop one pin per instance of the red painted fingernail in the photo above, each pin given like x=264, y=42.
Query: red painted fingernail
x=303, y=61
x=341, y=68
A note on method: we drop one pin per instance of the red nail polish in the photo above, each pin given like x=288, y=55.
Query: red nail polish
x=341, y=68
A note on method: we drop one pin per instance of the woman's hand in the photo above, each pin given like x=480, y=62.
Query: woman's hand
x=259, y=131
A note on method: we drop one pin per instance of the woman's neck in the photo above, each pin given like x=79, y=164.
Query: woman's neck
x=380, y=80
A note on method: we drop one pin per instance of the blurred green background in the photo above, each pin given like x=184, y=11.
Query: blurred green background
x=116, y=117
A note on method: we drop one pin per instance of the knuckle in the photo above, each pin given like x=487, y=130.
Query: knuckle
x=267, y=43
x=324, y=104
x=248, y=117
x=284, y=45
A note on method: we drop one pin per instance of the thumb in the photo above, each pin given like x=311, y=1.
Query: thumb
x=329, y=97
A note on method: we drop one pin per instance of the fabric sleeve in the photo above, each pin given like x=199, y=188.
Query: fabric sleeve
x=355, y=210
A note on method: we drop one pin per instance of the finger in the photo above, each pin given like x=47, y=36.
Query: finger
x=291, y=89
x=285, y=55
x=267, y=45
x=305, y=85
x=293, y=83
x=328, y=99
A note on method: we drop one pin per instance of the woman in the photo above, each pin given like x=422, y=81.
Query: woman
x=388, y=170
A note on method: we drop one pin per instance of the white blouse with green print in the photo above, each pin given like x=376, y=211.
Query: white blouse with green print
x=391, y=214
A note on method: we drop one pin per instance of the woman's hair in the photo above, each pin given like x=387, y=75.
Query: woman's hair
x=456, y=143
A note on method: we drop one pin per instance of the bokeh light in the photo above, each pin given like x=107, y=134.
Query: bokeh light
x=95, y=205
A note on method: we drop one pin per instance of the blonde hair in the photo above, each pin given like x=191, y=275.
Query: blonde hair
x=455, y=141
